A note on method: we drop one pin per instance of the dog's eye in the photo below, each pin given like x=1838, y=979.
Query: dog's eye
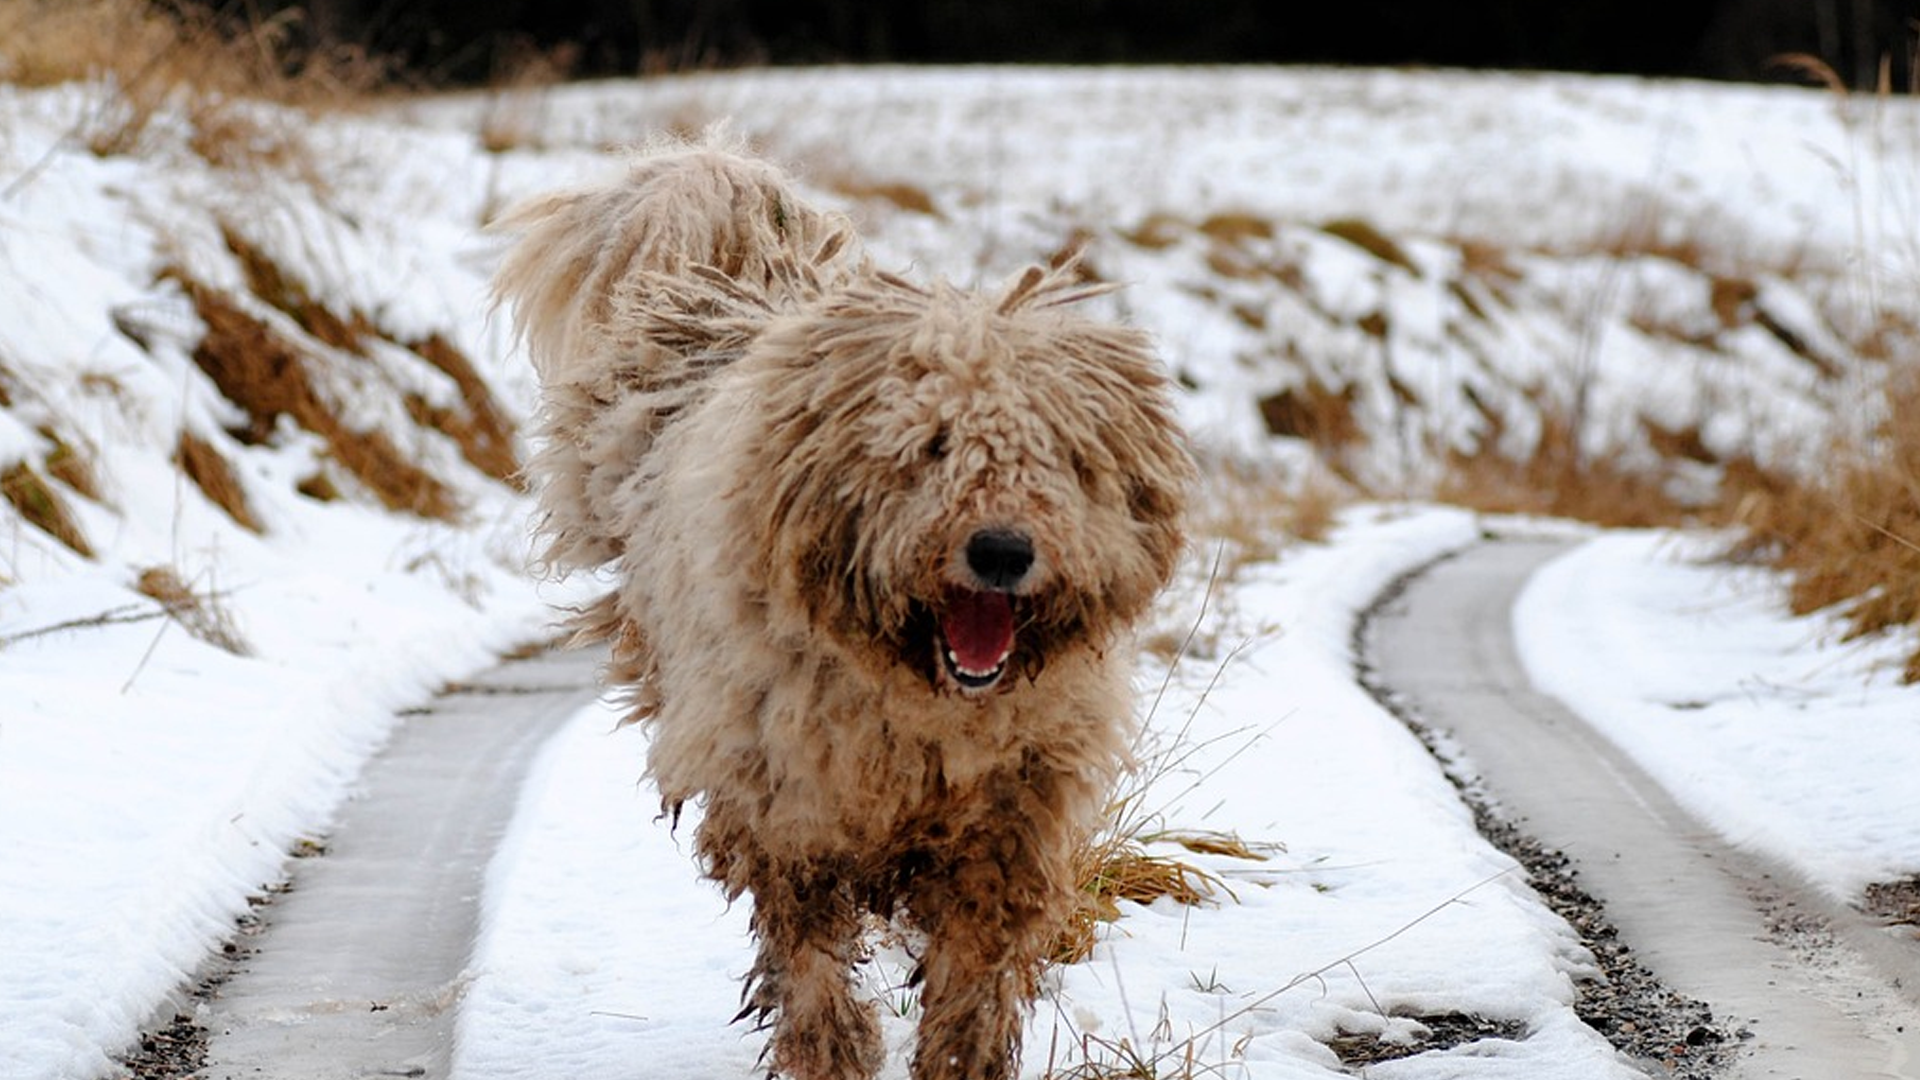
x=937, y=446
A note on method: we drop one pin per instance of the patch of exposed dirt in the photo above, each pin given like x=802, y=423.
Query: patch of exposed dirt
x=1442, y=1031
x=1895, y=902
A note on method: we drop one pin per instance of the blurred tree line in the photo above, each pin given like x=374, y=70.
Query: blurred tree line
x=467, y=41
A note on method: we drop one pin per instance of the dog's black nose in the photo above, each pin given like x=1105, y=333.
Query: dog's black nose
x=999, y=558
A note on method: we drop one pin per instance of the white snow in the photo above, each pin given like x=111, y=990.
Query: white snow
x=151, y=782
x=1782, y=736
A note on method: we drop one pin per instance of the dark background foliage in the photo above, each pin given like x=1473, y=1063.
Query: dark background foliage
x=458, y=41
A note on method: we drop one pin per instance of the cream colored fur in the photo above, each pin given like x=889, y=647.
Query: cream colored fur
x=816, y=481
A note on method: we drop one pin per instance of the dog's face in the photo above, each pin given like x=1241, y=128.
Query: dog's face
x=960, y=485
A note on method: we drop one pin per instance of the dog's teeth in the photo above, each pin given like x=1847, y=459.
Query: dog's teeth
x=954, y=659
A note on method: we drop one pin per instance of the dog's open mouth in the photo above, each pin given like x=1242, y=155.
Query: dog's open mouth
x=976, y=637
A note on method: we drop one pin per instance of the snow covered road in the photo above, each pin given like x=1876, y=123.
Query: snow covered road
x=359, y=967
x=1822, y=989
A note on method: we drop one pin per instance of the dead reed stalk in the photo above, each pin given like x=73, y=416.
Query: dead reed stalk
x=198, y=613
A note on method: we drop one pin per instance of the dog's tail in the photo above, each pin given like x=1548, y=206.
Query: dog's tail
x=627, y=294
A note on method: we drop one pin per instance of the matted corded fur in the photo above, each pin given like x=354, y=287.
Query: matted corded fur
x=878, y=549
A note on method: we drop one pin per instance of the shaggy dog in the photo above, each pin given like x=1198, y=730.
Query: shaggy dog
x=877, y=549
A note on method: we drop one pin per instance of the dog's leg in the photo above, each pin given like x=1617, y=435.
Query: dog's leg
x=976, y=983
x=809, y=931
x=990, y=912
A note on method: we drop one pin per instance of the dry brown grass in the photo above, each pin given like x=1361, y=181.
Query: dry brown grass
x=1321, y=415
x=267, y=280
x=1487, y=262
x=213, y=475
x=1847, y=535
x=1653, y=235
x=479, y=426
x=70, y=466
x=162, y=46
x=1365, y=236
x=1313, y=507
x=41, y=505
x=1849, y=538
x=1560, y=479
x=896, y=193
x=1239, y=248
x=1246, y=513
x=265, y=374
x=319, y=487
x=198, y=613
x=157, y=57
x=294, y=368
x=1157, y=232
x=1236, y=227
x=517, y=110
x=56, y=41
x=1119, y=862
x=1812, y=70
x=1732, y=300
x=1117, y=868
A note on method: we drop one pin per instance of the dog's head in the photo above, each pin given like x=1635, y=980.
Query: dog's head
x=963, y=484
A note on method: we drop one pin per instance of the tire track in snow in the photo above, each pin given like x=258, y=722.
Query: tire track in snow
x=1819, y=991
x=358, y=967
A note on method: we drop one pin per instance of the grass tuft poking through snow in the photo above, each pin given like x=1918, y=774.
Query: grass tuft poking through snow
x=198, y=613
x=41, y=505
x=213, y=474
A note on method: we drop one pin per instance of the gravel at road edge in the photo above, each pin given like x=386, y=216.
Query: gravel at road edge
x=1640, y=1016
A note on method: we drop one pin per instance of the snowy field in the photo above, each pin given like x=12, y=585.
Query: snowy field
x=1673, y=257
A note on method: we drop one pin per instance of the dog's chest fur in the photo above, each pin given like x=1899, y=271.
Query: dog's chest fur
x=857, y=765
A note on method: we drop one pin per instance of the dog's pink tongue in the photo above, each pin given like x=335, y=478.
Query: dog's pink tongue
x=979, y=629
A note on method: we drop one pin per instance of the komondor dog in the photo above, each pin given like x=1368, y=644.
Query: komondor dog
x=878, y=547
